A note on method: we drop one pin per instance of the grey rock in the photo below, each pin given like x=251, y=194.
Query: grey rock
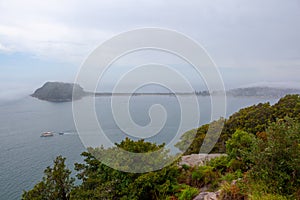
x=198, y=159
x=208, y=196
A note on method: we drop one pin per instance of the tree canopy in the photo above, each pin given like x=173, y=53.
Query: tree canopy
x=253, y=119
x=56, y=184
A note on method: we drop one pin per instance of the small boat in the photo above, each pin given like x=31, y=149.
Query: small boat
x=61, y=133
x=47, y=134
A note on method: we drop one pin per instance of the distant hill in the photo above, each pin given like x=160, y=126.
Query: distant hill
x=262, y=92
x=59, y=92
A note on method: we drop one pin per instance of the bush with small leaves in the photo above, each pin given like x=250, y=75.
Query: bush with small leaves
x=56, y=184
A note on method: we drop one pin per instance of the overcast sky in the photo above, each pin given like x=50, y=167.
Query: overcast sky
x=250, y=41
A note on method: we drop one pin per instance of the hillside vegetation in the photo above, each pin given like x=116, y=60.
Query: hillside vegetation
x=262, y=143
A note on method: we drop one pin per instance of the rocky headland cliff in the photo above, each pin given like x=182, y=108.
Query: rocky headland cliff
x=59, y=92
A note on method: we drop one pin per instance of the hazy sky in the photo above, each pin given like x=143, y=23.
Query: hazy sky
x=250, y=41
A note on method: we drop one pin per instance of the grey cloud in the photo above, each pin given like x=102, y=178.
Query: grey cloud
x=238, y=34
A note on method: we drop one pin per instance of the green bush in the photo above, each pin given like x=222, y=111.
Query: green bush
x=277, y=160
x=102, y=182
x=205, y=175
x=219, y=163
x=239, y=149
x=253, y=119
x=56, y=183
x=268, y=197
x=187, y=193
x=258, y=190
x=232, y=176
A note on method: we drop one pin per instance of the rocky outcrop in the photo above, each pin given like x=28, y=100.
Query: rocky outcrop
x=198, y=159
x=208, y=196
x=59, y=92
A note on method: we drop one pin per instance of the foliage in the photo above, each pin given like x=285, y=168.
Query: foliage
x=277, y=160
x=138, y=156
x=258, y=190
x=287, y=106
x=219, y=163
x=205, y=175
x=238, y=149
x=213, y=141
x=198, y=138
x=269, y=197
x=193, y=137
x=231, y=176
x=56, y=183
x=102, y=182
x=231, y=192
x=262, y=162
x=253, y=120
x=187, y=193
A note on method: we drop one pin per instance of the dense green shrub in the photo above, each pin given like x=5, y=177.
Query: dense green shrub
x=269, y=197
x=257, y=190
x=219, y=163
x=187, y=192
x=193, y=137
x=230, y=176
x=205, y=175
x=287, y=106
x=253, y=119
x=238, y=149
x=277, y=160
x=102, y=182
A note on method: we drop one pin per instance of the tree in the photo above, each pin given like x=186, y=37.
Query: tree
x=197, y=140
x=254, y=120
x=287, y=106
x=102, y=182
x=56, y=184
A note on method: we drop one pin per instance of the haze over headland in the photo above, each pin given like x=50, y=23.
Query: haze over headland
x=251, y=42
x=66, y=92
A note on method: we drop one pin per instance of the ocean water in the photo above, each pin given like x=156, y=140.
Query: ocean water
x=24, y=154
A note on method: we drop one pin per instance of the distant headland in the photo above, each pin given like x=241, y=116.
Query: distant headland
x=59, y=92
x=63, y=92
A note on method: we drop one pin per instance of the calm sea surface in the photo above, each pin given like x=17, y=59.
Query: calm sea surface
x=24, y=154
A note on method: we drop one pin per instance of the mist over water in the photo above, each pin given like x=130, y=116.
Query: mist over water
x=12, y=92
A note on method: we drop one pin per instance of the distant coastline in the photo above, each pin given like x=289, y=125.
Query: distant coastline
x=145, y=94
x=63, y=92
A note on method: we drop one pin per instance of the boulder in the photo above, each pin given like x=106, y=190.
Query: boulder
x=198, y=159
